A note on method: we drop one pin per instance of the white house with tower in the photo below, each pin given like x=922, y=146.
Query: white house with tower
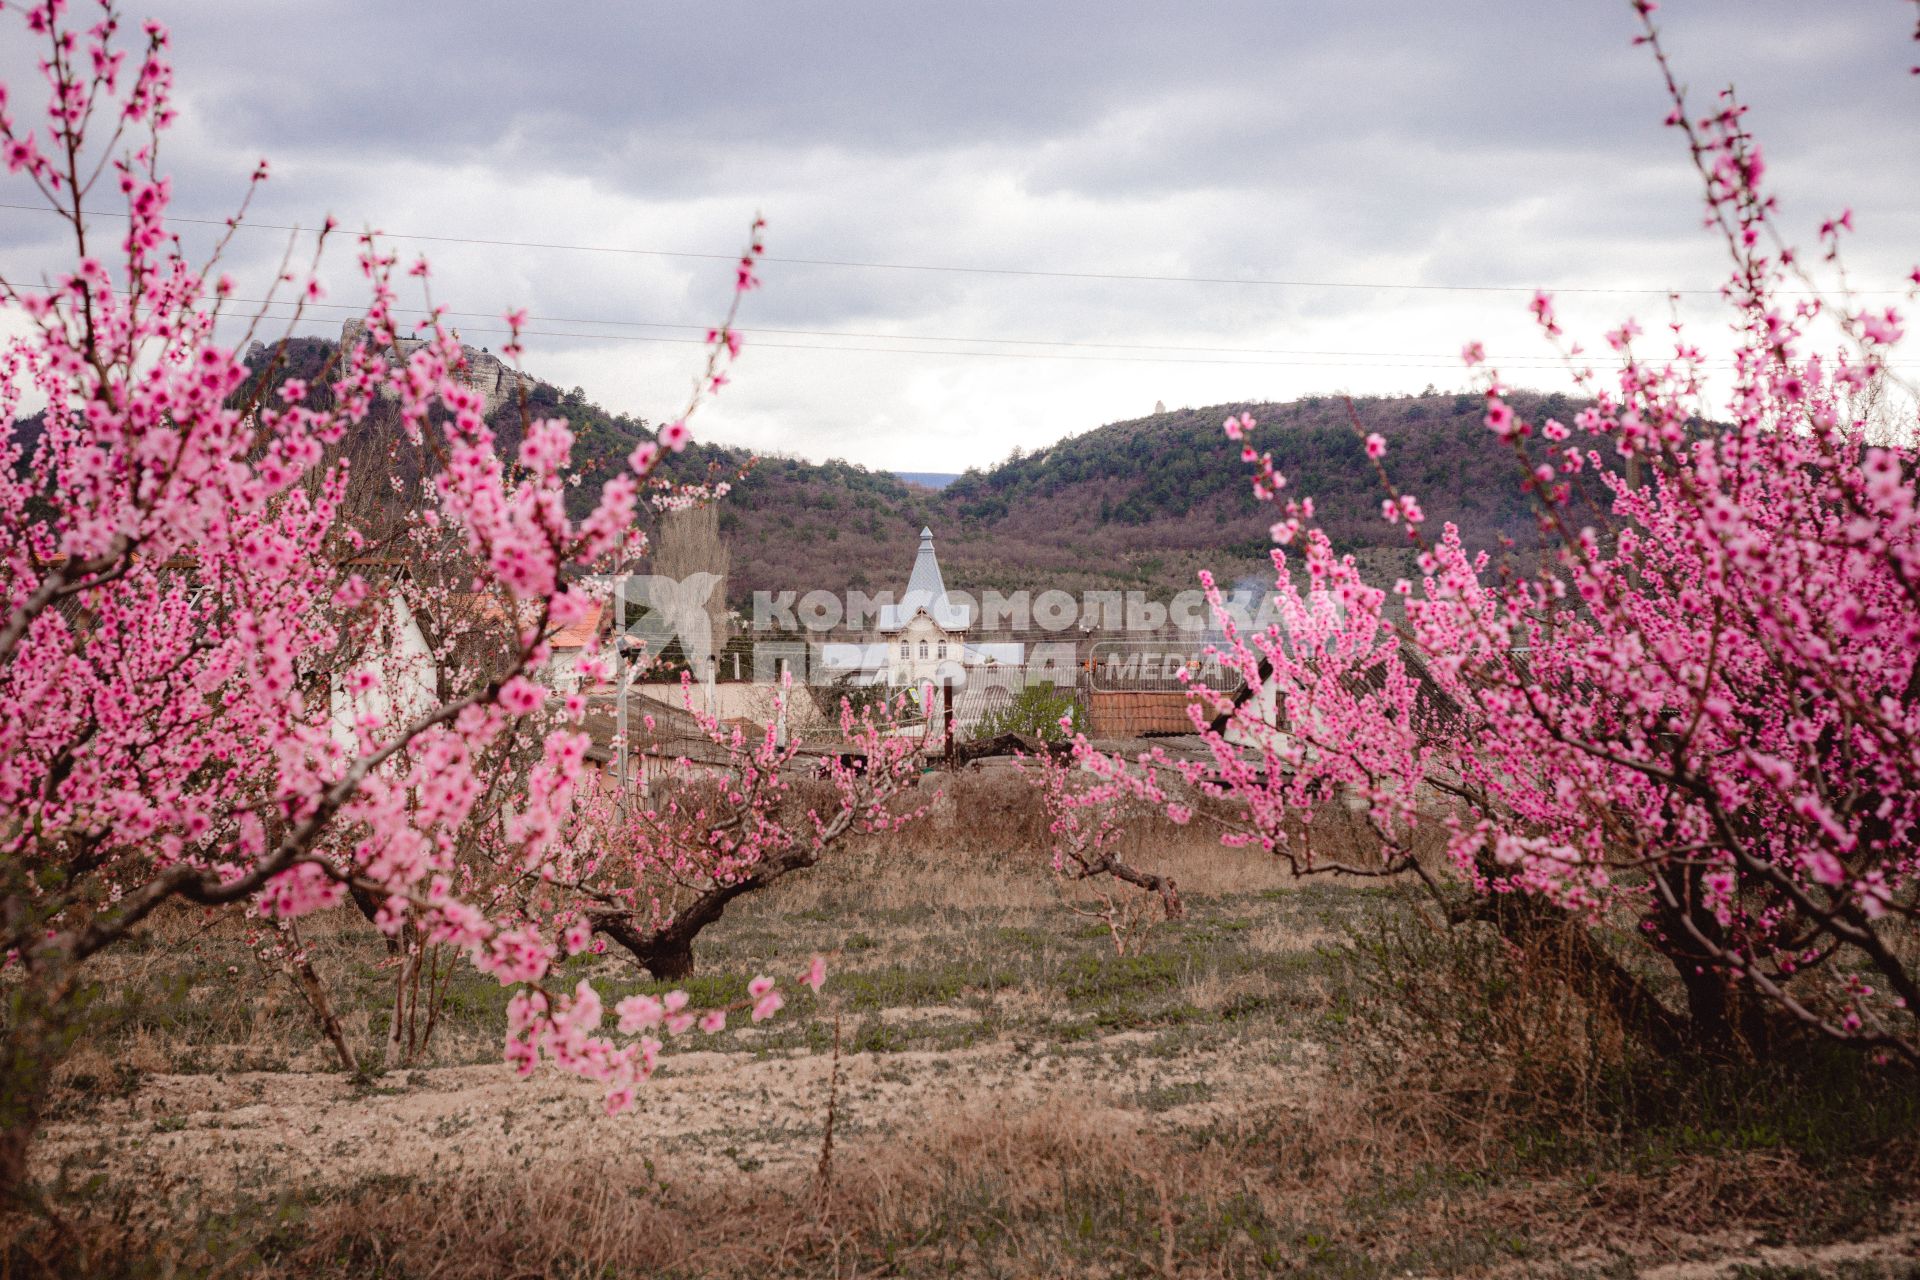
x=925, y=631
x=923, y=637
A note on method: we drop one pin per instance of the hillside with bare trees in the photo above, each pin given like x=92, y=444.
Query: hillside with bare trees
x=1136, y=505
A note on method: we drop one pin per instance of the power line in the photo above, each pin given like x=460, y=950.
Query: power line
x=1395, y=363
x=991, y=355
x=1366, y=359
x=756, y=331
x=947, y=268
x=1139, y=352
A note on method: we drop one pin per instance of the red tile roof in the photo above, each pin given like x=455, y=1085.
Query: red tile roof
x=576, y=634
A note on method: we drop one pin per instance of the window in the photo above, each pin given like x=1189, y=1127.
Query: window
x=943, y=649
x=923, y=648
x=906, y=650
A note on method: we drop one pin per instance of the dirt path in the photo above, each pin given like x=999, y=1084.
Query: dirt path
x=706, y=1113
x=1846, y=1258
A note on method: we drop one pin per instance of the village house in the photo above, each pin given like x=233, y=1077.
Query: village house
x=925, y=631
x=386, y=668
x=413, y=647
x=572, y=642
x=924, y=638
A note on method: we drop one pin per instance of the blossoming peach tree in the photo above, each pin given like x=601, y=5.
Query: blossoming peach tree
x=1696, y=712
x=728, y=817
x=172, y=566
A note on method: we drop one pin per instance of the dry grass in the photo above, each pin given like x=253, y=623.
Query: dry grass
x=1299, y=1077
x=1060, y=1190
x=1329, y=1188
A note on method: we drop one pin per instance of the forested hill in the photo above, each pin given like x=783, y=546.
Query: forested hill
x=1143, y=504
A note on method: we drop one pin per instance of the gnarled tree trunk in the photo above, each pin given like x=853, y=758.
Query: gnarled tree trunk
x=667, y=952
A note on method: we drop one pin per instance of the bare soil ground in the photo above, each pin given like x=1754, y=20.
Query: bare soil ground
x=1014, y=1097
x=707, y=1115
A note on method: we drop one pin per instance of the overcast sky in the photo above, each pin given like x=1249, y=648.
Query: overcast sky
x=1372, y=144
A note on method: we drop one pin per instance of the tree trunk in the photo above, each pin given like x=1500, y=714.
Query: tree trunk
x=370, y=908
x=316, y=993
x=406, y=995
x=667, y=953
x=24, y=1079
x=408, y=957
x=669, y=960
x=1723, y=1020
x=1539, y=928
x=37, y=1036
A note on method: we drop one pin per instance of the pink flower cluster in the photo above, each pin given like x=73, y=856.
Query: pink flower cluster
x=180, y=582
x=1698, y=717
x=641, y=865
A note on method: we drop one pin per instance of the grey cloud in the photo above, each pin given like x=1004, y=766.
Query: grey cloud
x=1511, y=143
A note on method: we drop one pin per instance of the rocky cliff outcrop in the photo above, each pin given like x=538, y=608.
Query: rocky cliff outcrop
x=495, y=380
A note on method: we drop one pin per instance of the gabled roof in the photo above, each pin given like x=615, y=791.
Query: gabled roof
x=487, y=607
x=575, y=635
x=926, y=593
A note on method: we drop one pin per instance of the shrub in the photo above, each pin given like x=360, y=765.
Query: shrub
x=1035, y=712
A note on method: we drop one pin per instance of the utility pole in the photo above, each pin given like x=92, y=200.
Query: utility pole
x=946, y=690
x=620, y=679
x=780, y=726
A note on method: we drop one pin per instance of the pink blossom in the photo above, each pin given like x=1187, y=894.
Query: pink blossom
x=1883, y=329
x=521, y=696
x=1825, y=868
x=638, y=1013
x=1542, y=308
x=1500, y=418
x=1705, y=676
x=816, y=974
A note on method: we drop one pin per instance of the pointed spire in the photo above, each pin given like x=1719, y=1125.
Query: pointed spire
x=926, y=593
x=925, y=585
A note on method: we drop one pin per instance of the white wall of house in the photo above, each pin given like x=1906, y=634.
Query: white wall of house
x=866, y=663
x=922, y=652
x=561, y=672
x=406, y=684
x=1268, y=702
x=737, y=700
